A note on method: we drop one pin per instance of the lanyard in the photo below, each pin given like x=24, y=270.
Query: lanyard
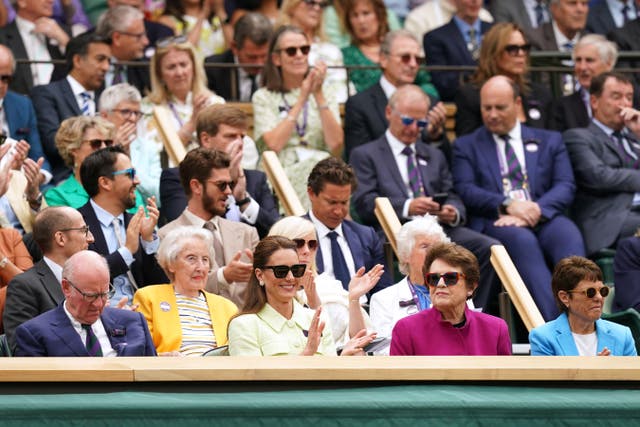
x=301, y=129
x=175, y=114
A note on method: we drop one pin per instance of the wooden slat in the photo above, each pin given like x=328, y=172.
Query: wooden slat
x=281, y=184
x=388, y=220
x=172, y=143
x=516, y=289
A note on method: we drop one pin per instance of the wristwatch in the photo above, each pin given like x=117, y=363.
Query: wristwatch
x=37, y=201
x=3, y=262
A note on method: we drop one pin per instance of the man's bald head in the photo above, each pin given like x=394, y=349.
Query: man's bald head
x=500, y=104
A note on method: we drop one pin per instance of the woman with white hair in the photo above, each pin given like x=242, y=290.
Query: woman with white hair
x=410, y=295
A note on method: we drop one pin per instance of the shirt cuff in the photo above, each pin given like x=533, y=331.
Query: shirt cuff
x=250, y=214
x=221, y=279
x=458, y=219
x=126, y=255
x=405, y=208
x=152, y=246
x=47, y=176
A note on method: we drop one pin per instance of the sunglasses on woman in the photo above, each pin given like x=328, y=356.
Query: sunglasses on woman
x=293, y=50
x=514, y=49
x=450, y=278
x=281, y=271
x=96, y=144
x=312, y=244
x=312, y=3
x=591, y=292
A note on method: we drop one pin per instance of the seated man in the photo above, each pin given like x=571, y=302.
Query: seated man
x=516, y=182
x=83, y=325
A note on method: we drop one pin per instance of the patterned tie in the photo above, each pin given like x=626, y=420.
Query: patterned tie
x=625, y=13
x=628, y=159
x=120, y=236
x=117, y=74
x=415, y=181
x=86, y=107
x=586, y=99
x=473, y=46
x=218, y=252
x=92, y=343
x=539, y=9
x=340, y=270
x=514, y=170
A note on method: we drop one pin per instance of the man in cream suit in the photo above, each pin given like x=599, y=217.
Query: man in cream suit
x=206, y=179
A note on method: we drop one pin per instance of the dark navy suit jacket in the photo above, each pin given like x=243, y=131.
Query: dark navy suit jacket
x=52, y=334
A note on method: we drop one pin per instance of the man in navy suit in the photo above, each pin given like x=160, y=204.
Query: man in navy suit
x=606, y=16
x=455, y=43
x=223, y=127
x=516, y=183
x=344, y=245
x=128, y=242
x=382, y=168
x=88, y=61
x=83, y=325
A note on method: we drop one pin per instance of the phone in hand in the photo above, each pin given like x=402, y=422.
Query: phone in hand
x=440, y=198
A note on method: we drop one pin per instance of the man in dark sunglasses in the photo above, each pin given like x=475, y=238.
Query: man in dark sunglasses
x=518, y=183
x=223, y=127
x=417, y=180
x=206, y=180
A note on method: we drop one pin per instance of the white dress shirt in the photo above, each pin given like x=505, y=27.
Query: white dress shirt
x=325, y=246
x=36, y=46
x=98, y=329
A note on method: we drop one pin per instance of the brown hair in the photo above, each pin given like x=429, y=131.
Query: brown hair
x=210, y=119
x=379, y=9
x=198, y=163
x=271, y=73
x=332, y=170
x=598, y=82
x=569, y=272
x=456, y=256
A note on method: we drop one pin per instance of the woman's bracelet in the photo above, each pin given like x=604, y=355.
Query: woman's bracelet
x=323, y=107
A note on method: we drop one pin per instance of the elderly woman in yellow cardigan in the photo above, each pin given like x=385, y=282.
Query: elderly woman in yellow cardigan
x=184, y=319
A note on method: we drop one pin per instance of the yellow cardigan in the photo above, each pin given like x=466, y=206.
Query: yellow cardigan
x=158, y=305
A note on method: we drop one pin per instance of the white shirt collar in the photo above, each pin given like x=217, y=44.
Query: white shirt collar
x=561, y=39
x=387, y=87
x=396, y=145
x=105, y=218
x=198, y=221
x=321, y=229
x=54, y=267
x=77, y=88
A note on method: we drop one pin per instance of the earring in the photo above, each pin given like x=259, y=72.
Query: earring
x=261, y=283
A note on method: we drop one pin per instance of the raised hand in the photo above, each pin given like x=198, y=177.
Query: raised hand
x=315, y=334
x=362, y=283
x=239, y=271
x=148, y=223
x=355, y=346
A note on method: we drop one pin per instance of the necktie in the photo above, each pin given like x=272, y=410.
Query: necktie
x=218, y=252
x=92, y=343
x=254, y=85
x=473, y=46
x=539, y=9
x=117, y=74
x=117, y=229
x=340, y=270
x=514, y=170
x=415, y=181
x=568, y=86
x=586, y=100
x=86, y=107
x=625, y=13
x=629, y=160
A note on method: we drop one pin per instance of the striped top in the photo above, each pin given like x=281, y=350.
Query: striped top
x=195, y=322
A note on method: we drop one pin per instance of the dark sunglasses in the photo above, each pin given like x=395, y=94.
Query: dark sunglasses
x=168, y=41
x=450, y=278
x=6, y=78
x=408, y=121
x=96, y=144
x=591, y=292
x=293, y=50
x=222, y=185
x=312, y=244
x=312, y=3
x=513, y=49
x=281, y=271
x=407, y=57
x=131, y=172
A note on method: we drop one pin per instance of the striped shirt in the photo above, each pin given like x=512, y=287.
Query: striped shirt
x=195, y=322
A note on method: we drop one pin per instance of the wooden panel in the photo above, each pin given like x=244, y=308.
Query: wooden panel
x=172, y=143
x=388, y=220
x=515, y=287
x=65, y=369
x=281, y=185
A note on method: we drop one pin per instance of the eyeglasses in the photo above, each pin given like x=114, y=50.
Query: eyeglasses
x=6, y=78
x=131, y=172
x=92, y=297
x=407, y=57
x=168, y=41
x=312, y=244
x=312, y=3
x=591, y=292
x=293, y=50
x=222, y=185
x=450, y=278
x=84, y=230
x=513, y=49
x=125, y=112
x=281, y=271
x=408, y=121
x=96, y=144
x=138, y=36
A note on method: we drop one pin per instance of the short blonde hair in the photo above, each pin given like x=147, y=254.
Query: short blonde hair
x=293, y=227
x=286, y=12
x=71, y=132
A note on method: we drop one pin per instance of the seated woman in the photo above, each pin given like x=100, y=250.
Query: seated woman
x=410, y=295
x=272, y=322
x=178, y=82
x=76, y=138
x=183, y=318
x=450, y=328
x=579, y=331
x=345, y=313
x=504, y=51
x=294, y=114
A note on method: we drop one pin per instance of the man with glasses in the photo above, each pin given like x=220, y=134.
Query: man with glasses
x=517, y=183
x=416, y=179
x=365, y=118
x=128, y=242
x=206, y=179
x=59, y=232
x=124, y=26
x=83, y=325
x=76, y=94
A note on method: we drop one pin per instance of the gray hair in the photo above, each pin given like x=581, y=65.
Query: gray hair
x=118, y=19
x=114, y=95
x=174, y=242
x=406, y=237
x=79, y=259
x=253, y=26
x=385, y=47
x=607, y=50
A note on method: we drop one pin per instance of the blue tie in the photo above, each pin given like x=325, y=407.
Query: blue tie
x=340, y=270
x=86, y=97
